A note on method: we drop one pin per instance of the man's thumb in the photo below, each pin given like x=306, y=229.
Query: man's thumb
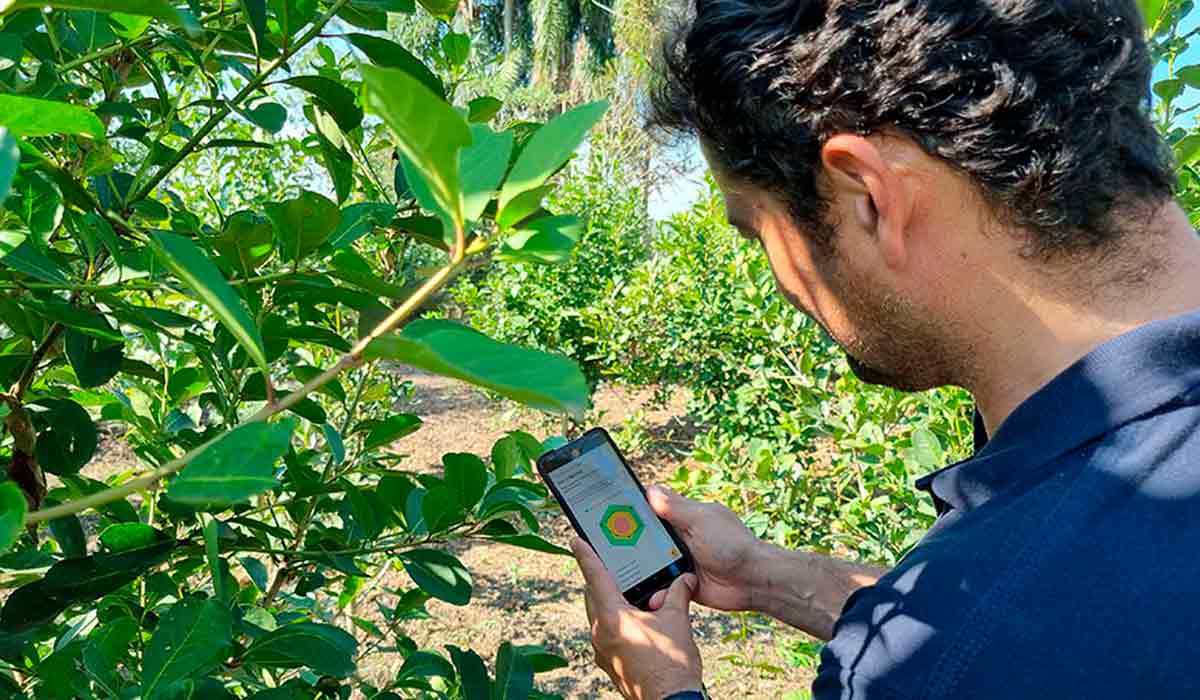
x=670, y=505
x=679, y=595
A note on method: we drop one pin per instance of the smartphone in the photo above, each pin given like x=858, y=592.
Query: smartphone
x=607, y=506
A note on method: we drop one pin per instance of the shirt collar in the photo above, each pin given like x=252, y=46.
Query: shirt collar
x=1121, y=380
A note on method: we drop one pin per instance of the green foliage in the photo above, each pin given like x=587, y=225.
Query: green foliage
x=520, y=300
x=201, y=229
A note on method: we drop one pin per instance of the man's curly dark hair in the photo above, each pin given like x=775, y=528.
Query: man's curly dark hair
x=1043, y=103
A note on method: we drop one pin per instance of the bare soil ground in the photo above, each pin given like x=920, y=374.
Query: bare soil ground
x=533, y=598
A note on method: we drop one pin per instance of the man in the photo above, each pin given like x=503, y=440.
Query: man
x=970, y=193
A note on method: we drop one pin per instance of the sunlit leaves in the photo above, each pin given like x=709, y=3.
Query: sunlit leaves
x=429, y=133
x=549, y=148
x=190, y=265
x=240, y=464
x=29, y=116
x=548, y=240
x=534, y=378
x=389, y=54
x=481, y=167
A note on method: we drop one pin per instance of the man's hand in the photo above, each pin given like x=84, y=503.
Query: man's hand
x=648, y=655
x=723, y=548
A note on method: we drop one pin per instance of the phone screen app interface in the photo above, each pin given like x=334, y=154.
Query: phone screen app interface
x=611, y=509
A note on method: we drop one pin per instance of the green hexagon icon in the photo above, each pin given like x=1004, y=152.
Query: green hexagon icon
x=621, y=526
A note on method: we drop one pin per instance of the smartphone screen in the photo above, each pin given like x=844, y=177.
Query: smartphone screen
x=607, y=504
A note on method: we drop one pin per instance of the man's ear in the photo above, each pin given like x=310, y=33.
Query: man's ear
x=857, y=169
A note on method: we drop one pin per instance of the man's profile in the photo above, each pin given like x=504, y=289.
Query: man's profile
x=967, y=193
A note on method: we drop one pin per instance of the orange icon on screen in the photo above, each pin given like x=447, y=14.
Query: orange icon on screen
x=674, y=552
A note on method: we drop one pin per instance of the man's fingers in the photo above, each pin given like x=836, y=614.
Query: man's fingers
x=600, y=583
x=679, y=595
x=671, y=505
x=657, y=600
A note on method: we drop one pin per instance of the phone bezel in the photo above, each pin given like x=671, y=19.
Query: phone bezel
x=639, y=595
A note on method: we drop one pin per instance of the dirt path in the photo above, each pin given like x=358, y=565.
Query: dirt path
x=532, y=598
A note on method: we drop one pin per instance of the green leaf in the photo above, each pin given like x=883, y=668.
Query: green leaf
x=538, y=379
x=357, y=220
x=472, y=673
x=12, y=514
x=333, y=439
x=481, y=167
x=429, y=132
x=482, y=109
x=38, y=202
x=1168, y=89
x=269, y=116
x=335, y=98
x=1187, y=151
x=126, y=536
x=926, y=450
x=443, y=9
x=540, y=660
x=246, y=242
x=95, y=361
x=29, y=116
x=82, y=320
x=257, y=572
x=466, y=475
x=240, y=464
x=323, y=648
x=533, y=542
x=69, y=442
x=514, y=675
x=425, y=664
x=456, y=47
x=191, y=639
x=76, y=580
x=22, y=256
x=68, y=532
x=1151, y=9
x=212, y=554
x=385, y=432
x=302, y=224
x=160, y=9
x=548, y=240
x=10, y=157
x=389, y=54
x=292, y=15
x=1189, y=75
x=549, y=148
x=523, y=205
x=508, y=457
x=440, y=508
x=439, y=574
x=198, y=273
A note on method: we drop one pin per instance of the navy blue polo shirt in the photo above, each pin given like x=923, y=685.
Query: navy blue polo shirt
x=1065, y=560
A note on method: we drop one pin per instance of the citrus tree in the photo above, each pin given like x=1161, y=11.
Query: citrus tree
x=235, y=352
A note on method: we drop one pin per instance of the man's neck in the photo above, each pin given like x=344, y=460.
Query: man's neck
x=1036, y=334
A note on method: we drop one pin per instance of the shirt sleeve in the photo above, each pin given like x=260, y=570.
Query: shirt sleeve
x=875, y=652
